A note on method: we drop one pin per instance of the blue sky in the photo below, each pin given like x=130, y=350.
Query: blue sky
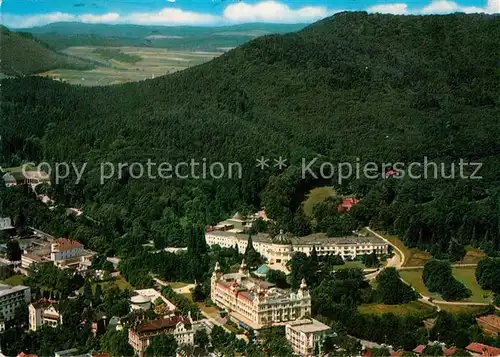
x=27, y=13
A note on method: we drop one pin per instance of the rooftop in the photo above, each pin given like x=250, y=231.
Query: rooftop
x=312, y=239
x=7, y=289
x=481, y=348
x=67, y=244
x=160, y=324
x=308, y=326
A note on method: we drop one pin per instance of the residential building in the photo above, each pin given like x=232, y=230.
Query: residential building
x=27, y=259
x=12, y=297
x=479, y=349
x=5, y=223
x=181, y=327
x=67, y=253
x=254, y=303
x=44, y=313
x=146, y=298
x=64, y=249
x=281, y=248
x=306, y=336
x=30, y=177
x=490, y=324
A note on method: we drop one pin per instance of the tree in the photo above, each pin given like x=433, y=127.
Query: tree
x=14, y=252
x=252, y=258
x=277, y=277
x=98, y=293
x=116, y=343
x=163, y=345
x=201, y=338
x=391, y=290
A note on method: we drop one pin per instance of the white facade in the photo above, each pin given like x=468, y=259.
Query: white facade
x=12, y=297
x=44, y=313
x=254, y=303
x=306, y=335
x=5, y=223
x=181, y=328
x=281, y=248
x=65, y=249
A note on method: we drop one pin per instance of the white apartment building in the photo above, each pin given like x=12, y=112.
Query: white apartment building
x=12, y=297
x=44, y=313
x=306, y=336
x=140, y=335
x=281, y=248
x=65, y=249
x=255, y=303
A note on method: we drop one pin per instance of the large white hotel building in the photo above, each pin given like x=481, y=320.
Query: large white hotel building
x=254, y=303
x=281, y=248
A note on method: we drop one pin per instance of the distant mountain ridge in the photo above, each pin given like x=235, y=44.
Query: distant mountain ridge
x=65, y=34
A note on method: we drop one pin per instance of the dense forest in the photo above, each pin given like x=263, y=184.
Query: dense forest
x=380, y=88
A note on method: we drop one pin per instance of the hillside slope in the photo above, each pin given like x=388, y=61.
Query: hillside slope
x=379, y=87
x=22, y=54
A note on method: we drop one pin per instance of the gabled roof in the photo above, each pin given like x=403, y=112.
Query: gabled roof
x=483, y=349
x=160, y=324
x=67, y=244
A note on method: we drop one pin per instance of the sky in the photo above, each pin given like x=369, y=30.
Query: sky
x=29, y=13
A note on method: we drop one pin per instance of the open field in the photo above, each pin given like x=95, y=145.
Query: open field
x=317, y=195
x=414, y=257
x=465, y=275
x=350, y=264
x=177, y=284
x=153, y=62
x=465, y=309
x=472, y=255
x=412, y=308
x=121, y=283
x=14, y=280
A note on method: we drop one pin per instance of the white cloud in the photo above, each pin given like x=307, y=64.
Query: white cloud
x=273, y=11
x=109, y=17
x=436, y=7
x=171, y=16
x=440, y=7
x=237, y=13
x=396, y=8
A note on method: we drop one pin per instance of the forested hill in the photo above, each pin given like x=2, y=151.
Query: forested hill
x=380, y=87
x=22, y=54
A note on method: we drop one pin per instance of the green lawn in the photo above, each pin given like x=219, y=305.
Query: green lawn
x=465, y=275
x=317, y=195
x=120, y=283
x=414, y=278
x=412, y=308
x=350, y=264
x=14, y=280
x=177, y=284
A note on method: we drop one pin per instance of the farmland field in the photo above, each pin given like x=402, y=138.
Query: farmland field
x=152, y=62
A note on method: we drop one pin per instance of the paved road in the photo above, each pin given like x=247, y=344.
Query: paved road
x=400, y=256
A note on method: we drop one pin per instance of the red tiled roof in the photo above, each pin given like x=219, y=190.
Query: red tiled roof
x=67, y=244
x=485, y=350
x=160, y=324
x=420, y=349
x=347, y=204
x=449, y=351
x=398, y=353
x=367, y=353
x=22, y=354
